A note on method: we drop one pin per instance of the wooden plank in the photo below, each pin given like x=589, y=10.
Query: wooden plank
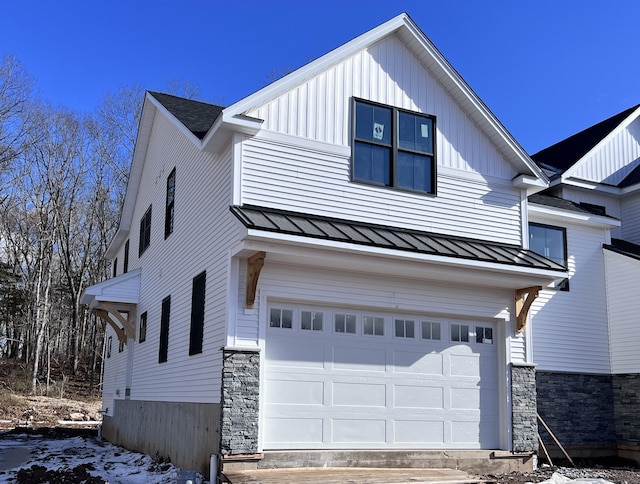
x=341, y=475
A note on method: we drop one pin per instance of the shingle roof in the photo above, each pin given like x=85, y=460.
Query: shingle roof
x=313, y=226
x=567, y=152
x=563, y=204
x=631, y=179
x=625, y=248
x=198, y=117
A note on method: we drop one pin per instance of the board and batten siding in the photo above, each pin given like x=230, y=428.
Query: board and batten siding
x=314, y=178
x=631, y=218
x=623, y=287
x=570, y=327
x=307, y=168
x=202, y=234
x=344, y=289
x=614, y=160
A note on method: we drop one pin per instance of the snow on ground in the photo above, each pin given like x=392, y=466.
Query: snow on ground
x=38, y=457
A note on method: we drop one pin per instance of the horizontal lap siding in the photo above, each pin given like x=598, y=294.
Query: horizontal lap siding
x=115, y=372
x=623, y=287
x=570, y=330
x=294, y=177
x=203, y=232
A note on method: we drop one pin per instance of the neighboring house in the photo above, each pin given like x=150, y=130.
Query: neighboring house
x=586, y=332
x=337, y=262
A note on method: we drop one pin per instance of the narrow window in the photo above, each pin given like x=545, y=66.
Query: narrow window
x=120, y=346
x=164, y=330
x=142, y=333
x=169, y=206
x=145, y=231
x=550, y=242
x=345, y=323
x=373, y=325
x=197, y=313
x=460, y=332
x=281, y=318
x=109, y=342
x=393, y=147
x=405, y=328
x=484, y=335
x=430, y=330
x=125, y=267
x=115, y=267
x=311, y=320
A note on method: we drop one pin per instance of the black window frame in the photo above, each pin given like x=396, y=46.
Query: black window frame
x=109, y=343
x=169, y=212
x=394, y=148
x=142, y=331
x=145, y=232
x=198, y=295
x=561, y=284
x=115, y=267
x=163, y=350
x=125, y=265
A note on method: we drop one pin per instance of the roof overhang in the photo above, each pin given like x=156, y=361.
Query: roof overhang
x=574, y=217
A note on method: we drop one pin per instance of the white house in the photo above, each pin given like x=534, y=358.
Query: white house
x=586, y=330
x=337, y=262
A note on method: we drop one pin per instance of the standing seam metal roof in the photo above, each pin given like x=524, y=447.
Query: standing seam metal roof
x=313, y=226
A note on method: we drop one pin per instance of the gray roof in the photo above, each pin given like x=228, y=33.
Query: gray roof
x=584, y=208
x=317, y=227
x=198, y=117
x=624, y=247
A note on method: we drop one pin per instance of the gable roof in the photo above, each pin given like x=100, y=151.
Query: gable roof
x=317, y=227
x=198, y=117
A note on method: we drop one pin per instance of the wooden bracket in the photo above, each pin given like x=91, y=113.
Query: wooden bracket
x=102, y=314
x=129, y=329
x=254, y=266
x=524, y=299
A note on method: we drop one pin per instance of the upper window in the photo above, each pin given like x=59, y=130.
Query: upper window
x=393, y=147
x=145, y=231
x=550, y=242
x=142, y=333
x=163, y=349
x=196, y=333
x=171, y=193
x=125, y=267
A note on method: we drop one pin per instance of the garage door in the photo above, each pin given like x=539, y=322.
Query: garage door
x=354, y=379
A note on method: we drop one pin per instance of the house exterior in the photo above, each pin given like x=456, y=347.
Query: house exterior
x=339, y=261
x=588, y=390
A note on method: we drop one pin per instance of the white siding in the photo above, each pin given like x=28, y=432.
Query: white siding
x=381, y=293
x=203, y=232
x=570, y=327
x=315, y=179
x=115, y=372
x=631, y=218
x=615, y=160
x=623, y=287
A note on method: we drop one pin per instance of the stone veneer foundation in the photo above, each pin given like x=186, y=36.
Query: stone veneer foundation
x=523, y=410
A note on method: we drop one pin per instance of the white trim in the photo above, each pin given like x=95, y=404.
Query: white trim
x=574, y=217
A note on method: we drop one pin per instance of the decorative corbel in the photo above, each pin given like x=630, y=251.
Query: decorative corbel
x=254, y=266
x=104, y=315
x=524, y=298
x=129, y=329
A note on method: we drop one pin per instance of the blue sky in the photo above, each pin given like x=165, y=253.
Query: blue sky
x=547, y=69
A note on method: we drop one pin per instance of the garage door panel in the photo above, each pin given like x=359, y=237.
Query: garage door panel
x=341, y=390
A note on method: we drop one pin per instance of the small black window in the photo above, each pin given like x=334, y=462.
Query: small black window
x=145, y=231
x=120, y=346
x=197, y=313
x=393, y=147
x=550, y=242
x=125, y=266
x=164, y=330
x=109, y=343
x=169, y=207
x=142, y=334
x=115, y=267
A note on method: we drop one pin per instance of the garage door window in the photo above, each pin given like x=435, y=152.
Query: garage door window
x=430, y=330
x=373, y=325
x=281, y=318
x=405, y=328
x=311, y=320
x=345, y=323
x=460, y=332
x=484, y=335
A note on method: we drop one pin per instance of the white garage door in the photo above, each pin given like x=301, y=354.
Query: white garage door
x=351, y=379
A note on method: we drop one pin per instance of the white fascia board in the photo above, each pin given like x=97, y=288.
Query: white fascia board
x=531, y=184
x=574, y=217
x=93, y=294
x=279, y=242
x=598, y=187
x=623, y=125
x=227, y=124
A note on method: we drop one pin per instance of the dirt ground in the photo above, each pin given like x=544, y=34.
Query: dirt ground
x=37, y=411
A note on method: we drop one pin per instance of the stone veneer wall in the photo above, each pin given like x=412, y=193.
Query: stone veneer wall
x=626, y=399
x=240, y=402
x=578, y=408
x=523, y=411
